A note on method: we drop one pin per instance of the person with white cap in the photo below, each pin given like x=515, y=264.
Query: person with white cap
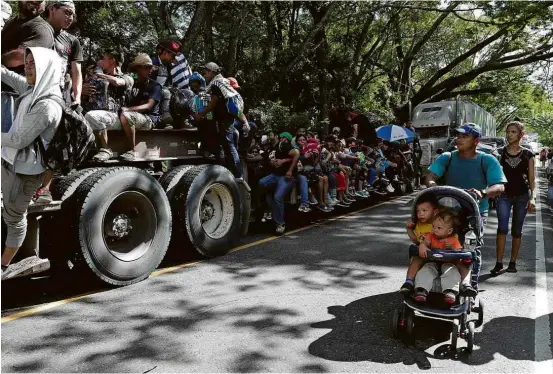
x=61, y=15
x=38, y=115
x=141, y=112
x=226, y=105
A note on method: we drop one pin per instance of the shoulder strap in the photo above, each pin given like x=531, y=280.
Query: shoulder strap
x=447, y=165
x=482, y=155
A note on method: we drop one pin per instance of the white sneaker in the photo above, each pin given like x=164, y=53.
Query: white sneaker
x=390, y=189
x=27, y=266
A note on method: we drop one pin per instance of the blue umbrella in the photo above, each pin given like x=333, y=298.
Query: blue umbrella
x=394, y=133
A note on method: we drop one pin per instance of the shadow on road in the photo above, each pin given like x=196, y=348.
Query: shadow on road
x=360, y=331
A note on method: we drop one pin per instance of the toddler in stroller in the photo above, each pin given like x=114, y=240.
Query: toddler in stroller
x=439, y=271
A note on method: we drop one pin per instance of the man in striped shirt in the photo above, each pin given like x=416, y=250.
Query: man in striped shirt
x=174, y=73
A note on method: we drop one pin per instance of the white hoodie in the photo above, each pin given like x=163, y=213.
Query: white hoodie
x=37, y=114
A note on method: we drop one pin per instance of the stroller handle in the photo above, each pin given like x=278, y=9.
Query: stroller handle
x=444, y=255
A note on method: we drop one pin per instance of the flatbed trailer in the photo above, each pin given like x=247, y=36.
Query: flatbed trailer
x=116, y=220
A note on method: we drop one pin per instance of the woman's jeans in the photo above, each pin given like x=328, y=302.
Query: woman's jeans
x=371, y=176
x=282, y=187
x=519, y=206
x=304, y=189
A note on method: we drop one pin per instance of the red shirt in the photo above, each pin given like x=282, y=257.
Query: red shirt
x=437, y=243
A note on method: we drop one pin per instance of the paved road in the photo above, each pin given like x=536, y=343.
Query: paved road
x=317, y=300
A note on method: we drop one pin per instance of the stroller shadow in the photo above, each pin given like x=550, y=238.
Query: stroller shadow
x=360, y=331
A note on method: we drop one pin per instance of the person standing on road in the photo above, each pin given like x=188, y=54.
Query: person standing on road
x=471, y=170
x=519, y=168
x=37, y=115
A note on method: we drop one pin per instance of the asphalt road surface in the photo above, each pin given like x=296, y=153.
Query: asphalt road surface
x=316, y=300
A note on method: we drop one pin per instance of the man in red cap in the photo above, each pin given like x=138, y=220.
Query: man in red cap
x=173, y=72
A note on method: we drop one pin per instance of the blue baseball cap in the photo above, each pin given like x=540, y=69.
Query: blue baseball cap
x=471, y=129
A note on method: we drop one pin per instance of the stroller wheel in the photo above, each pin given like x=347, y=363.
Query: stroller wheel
x=409, y=332
x=480, y=310
x=454, y=336
x=394, y=323
x=470, y=337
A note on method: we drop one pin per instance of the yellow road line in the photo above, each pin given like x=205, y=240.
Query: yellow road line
x=42, y=308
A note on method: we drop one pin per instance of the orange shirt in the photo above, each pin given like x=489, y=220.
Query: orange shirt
x=437, y=243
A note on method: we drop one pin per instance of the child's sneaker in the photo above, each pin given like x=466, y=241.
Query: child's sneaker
x=407, y=287
x=267, y=216
x=420, y=295
x=450, y=297
x=304, y=208
x=280, y=229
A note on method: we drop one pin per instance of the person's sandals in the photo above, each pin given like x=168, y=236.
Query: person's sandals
x=103, y=155
x=497, y=269
x=420, y=295
x=128, y=156
x=450, y=297
x=512, y=268
x=407, y=287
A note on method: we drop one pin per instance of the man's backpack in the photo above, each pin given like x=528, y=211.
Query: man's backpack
x=72, y=141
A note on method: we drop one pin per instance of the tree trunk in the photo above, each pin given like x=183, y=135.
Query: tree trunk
x=240, y=15
x=208, y=32
x=195, y=26
x=268, y=52
x=321, y=54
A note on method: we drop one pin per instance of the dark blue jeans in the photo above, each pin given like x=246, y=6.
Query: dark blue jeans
x=231, y=152
x=282, y=187
x=507, y=204
x=477, y=263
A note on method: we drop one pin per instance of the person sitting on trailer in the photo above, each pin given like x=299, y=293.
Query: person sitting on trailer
x=142, y=112
x=173, y=74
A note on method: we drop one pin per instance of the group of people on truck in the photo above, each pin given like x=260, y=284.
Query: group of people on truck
x=42, y=76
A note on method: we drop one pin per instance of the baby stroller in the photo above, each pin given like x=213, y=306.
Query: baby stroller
x=464, y=315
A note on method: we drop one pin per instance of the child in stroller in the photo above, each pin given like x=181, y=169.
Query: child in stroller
x=457, y=312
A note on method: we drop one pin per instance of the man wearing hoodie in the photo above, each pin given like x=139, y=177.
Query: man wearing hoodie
x=27, y=29
x=37, y=114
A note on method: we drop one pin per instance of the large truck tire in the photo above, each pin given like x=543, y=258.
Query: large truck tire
x=206, y=205
x=64, y=187
x=124, y=224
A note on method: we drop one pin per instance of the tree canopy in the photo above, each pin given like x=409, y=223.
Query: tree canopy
x=383, y=56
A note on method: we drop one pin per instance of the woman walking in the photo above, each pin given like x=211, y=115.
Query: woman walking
x=518, y=198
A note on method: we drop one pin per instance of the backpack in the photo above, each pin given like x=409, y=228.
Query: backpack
x=71, y=143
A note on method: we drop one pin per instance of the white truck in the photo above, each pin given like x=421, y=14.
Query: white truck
x=435, y=122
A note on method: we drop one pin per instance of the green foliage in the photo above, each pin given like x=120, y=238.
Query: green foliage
x=294, y=59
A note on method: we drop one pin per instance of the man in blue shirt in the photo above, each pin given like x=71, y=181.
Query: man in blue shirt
x=476, y=172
